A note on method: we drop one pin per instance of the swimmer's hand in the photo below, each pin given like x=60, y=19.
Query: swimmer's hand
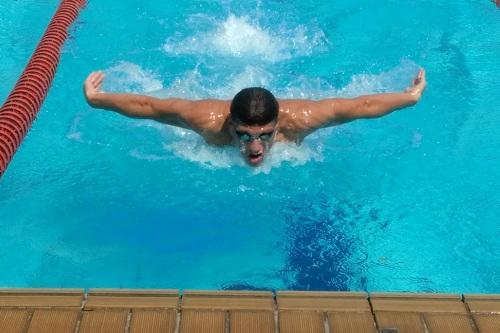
x=418, y=86
x=92, y=87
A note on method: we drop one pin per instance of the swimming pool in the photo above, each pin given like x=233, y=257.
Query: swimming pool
x=407, y=202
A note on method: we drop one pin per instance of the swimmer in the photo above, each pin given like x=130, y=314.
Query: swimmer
x=254, y=118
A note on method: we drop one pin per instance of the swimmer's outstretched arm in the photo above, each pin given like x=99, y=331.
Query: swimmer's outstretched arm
x=334, y=111
x=171, y=111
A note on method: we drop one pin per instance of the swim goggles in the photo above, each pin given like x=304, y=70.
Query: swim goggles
x=247, y=138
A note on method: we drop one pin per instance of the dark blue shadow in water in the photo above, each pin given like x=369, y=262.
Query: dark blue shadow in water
x=244, y=286
x=320, y=242
x=319, y=248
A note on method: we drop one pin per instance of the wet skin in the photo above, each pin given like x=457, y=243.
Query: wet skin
x=210, y=118
x=254, y=141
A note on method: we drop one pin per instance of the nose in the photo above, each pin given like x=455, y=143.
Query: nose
x=255, y=147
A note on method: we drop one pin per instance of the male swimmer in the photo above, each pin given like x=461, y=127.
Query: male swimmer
x=254, y=119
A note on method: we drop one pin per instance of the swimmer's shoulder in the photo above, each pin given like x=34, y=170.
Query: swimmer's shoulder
x=209, y=121
x=209, y=115
x=293, y=117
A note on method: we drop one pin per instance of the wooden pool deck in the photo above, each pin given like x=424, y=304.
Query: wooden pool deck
x=148, y=311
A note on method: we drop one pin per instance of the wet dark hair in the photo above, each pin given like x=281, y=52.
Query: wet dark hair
x=254, y=106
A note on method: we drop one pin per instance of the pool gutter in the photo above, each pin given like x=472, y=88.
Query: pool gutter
x=146, y=310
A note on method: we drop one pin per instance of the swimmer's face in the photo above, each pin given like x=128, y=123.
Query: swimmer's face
x=254, y=141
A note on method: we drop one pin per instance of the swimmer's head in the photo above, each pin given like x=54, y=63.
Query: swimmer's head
x=254, y=115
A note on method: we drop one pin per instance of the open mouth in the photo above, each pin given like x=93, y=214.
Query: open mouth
x=255, y=158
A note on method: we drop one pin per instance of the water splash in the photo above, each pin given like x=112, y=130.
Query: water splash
x=136, y=153
x=194, y=149
x=241, y=37
x=393, y=80
x=130, y=77
x=194, y=85
x=396, y=79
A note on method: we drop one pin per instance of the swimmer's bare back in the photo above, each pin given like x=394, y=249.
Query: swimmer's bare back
x=210, y=117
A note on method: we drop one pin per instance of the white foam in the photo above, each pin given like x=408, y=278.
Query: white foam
x=194, y=149
x=188, y=146
x=243, y=38
x=148, y=157
x=194, y=85
x=396, y=79
x=130, y=77
x=252, y=76
x=393, y=80
x=290, y=153
x=74, y=133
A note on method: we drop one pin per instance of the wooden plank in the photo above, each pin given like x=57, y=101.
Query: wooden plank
x=198, y=321
x=324, y=301
x=417, y=303
x=483, y=303
x=487, y=323
x=242, y=293
x=128, y=298
x=448, y=323
x=13, y=321
x=484, y=306
x=53, y=321
x=252, y=322
x=153, y=321
x=29, y=298
x=351, y=322
x=104, y=321
x=332, y=294
x=227, y=300
x=301, y=322
x=41, y=291
x=404, y=322
x=426, y=296
x=125, y=302
x=133, y=292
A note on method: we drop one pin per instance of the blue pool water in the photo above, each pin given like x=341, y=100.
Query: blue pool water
x=409, y=202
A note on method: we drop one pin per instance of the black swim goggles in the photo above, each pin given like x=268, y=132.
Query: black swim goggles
x=245, y=138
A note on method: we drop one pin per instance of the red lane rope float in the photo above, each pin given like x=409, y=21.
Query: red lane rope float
x=21, y=107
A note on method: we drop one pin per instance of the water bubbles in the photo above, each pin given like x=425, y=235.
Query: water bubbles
x=240, y=37
x=196, y=150
x=130, y=77
x=236, y=52
x=193, y=84
x=395, y=79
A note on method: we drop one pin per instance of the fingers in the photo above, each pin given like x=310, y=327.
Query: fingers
x=419, y=78
x=91, y=77
x=421, y=74
x=94, y=75
x=95, y=79
x=98, y=79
